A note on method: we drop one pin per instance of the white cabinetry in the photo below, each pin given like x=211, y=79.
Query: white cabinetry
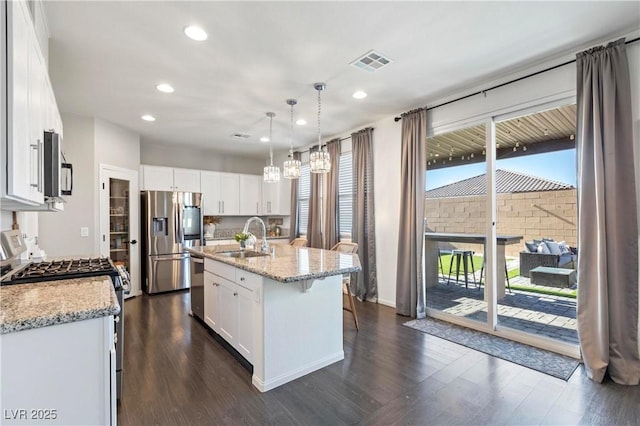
x=62, y=374
x=158, y=178
x=220, y=193
x=276, y=197
x=26, y=83
x=186, y=180
x=250, y=195
x=231, y=305
x=211, y=306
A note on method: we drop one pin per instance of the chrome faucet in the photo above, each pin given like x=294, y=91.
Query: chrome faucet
x=264, y=246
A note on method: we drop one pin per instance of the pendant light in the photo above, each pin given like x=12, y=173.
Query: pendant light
x=291, y=169
x=319, y=161
x=271, y=172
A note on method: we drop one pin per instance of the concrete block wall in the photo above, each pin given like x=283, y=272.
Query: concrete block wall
x=534, y=215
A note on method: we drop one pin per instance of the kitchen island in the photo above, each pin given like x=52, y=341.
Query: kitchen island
x=281, y=312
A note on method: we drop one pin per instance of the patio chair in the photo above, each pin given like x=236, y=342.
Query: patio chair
x=531, y=260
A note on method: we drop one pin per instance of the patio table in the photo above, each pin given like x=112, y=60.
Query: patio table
x=431, y=253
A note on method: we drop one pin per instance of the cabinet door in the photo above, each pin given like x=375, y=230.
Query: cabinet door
x=227, y=313
x=156, y=178
x=20, y=147
x=250, y=194
x=285, y=197
x=230, y=194
x=245, y=302
x=270, y=201
x=186, y=180
x=211, y=307
x=36, y=131
x=210, y=188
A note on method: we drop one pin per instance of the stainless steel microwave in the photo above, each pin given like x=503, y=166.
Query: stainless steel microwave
x=58, y=175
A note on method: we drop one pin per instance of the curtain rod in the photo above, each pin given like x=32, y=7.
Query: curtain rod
x=339, y=140
x=396, y=119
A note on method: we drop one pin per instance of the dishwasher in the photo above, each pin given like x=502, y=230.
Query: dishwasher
x=197, y=286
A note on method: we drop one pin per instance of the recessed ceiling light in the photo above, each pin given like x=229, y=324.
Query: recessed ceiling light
x=301, y=122
x=195, y=33
x=264, y=139
x=164, y=88
x=359, y=94
x=148, y=117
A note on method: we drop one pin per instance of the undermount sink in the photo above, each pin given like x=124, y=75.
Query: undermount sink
x=242, y=254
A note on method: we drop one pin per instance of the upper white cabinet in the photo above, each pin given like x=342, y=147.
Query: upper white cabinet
x=186, y=180
x=276, y=197
x=157, y=178
x=220, y=193
x=250, y=195
x=30, y=110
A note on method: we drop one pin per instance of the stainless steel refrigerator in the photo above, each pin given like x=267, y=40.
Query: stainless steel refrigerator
x=172, y=222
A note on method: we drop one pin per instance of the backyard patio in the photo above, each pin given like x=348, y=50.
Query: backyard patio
x=534, y=309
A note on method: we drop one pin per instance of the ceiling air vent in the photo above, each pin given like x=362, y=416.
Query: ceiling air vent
x=241, y=136
x=371, y=61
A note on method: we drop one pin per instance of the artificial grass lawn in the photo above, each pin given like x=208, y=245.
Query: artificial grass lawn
x=512, y=273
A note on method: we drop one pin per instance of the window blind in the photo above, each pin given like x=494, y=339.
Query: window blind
x=345, y=193
x=304, y=193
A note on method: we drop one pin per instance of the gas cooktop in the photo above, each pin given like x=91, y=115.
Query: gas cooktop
x=61, y=269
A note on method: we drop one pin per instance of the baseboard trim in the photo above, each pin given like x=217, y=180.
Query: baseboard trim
x=267, y=385
x=387, y=303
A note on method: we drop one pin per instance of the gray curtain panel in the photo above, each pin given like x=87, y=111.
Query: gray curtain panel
x=410, y=292
x=294, y=232
x=363, y=229
x=314, y=222
x=607, y=218
x=331, y=232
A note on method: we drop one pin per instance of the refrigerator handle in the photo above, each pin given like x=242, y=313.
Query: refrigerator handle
x=177, y=221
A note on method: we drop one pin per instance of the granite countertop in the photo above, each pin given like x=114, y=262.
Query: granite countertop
x=35, y=305
x=287, y=264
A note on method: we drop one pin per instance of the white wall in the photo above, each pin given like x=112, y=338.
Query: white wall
x=59, y=233
x=6, y=220
x=192, y=158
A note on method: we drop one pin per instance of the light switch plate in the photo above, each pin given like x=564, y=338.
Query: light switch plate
x=84, y=231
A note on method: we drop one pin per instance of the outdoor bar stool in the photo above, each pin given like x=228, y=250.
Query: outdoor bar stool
x=464, y=256
x=440, y=253
x=506, y=273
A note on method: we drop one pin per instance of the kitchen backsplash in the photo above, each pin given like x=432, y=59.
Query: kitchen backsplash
x=228, y=234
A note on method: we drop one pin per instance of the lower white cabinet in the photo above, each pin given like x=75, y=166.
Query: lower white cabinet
x=231, y=304
x=61, y=374
x=211, y=306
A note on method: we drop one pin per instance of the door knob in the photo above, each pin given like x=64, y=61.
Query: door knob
x=132, y=242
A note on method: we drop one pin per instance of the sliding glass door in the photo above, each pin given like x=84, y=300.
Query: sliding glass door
x=494, y=190
x=455, y=225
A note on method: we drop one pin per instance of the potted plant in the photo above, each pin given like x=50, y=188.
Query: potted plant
x=242, y=238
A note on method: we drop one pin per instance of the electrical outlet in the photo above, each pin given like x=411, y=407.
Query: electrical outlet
x=84, y=231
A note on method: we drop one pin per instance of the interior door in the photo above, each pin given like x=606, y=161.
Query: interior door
x=120, y=220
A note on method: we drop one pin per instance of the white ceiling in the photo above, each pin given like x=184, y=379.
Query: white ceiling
x=106, y=58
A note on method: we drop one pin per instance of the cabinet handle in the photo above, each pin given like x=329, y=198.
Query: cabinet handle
x=219, y=206
x=36, y=147
x=235, y=293
x=40, y=166
x=257, y=208
x=222, y=206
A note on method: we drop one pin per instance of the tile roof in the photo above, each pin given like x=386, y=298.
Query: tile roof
x=506, y=182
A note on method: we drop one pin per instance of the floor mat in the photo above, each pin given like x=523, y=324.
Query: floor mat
x=546, y=362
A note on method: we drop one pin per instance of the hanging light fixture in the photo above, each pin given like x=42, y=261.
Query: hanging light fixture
x=291, y=169
x=271, y=172
x=319, y=161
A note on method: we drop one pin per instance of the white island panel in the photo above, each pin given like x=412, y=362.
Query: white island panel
x=302, y=325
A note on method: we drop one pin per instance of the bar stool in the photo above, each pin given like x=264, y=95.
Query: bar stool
x=506, y=273
x=346, y=279
x=465, y=256
x=442, y=252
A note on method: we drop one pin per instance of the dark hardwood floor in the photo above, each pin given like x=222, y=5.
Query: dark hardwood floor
x=177, y=374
